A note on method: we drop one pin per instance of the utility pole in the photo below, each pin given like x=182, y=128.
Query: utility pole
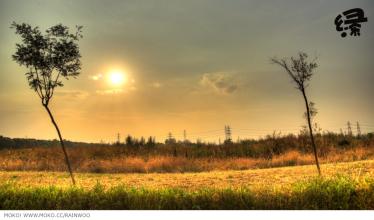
x=358, y=130
x=349, y=128
x=184, y=135
x=118, y=139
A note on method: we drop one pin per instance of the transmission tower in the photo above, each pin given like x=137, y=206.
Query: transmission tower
x=227, y=133
x=170, y=136
x=349, y=128
x=358, y=129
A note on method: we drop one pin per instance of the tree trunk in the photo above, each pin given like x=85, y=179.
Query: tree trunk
x=311, y=131
x=62, y=144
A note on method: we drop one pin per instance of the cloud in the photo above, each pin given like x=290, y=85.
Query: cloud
x=115, y=91
x=156, y=85
x=104, y=86
x=222, y=83
x=110, y=91
x=74, y=94
x=96, y=77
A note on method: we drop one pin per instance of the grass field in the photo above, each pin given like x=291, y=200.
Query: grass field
x=282, y=176
x=115, y=159
x=343, y=186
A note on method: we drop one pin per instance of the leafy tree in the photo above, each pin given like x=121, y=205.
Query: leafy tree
x=130, y=141
x=49, y=58
x=151, y=142
x=301, y=72
x=142, y=141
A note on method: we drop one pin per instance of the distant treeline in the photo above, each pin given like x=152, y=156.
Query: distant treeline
x=267, y=147
x=6, y=142
x=144, y=156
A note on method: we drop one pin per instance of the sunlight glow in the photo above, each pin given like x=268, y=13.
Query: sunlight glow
x=117, y=77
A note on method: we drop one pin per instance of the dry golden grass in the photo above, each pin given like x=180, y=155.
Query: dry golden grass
x=273, y=177
x=110, y=161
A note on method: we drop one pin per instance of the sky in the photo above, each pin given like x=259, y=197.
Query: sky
x=194, y=65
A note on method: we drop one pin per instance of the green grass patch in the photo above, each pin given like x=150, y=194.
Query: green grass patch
x=317, y=193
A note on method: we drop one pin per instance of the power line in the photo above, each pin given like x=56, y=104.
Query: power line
x=254, y=132
x=208, y=131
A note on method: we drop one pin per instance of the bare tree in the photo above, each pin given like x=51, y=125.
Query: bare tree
x=49, y=57
x=301, y=71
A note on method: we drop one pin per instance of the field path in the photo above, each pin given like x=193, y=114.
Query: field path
x=282, y=177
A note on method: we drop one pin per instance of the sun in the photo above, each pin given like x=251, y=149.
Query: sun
x=117, y=77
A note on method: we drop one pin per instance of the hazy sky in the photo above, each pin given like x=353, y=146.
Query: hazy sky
x=196, y=65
